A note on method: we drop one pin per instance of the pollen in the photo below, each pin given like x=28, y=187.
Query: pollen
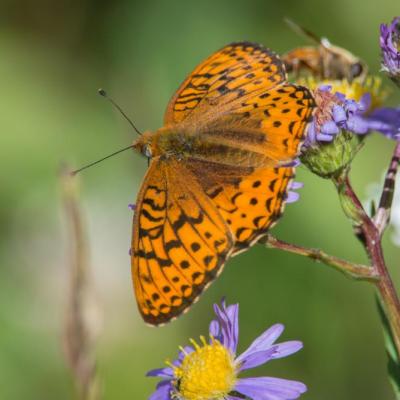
x=208, y=373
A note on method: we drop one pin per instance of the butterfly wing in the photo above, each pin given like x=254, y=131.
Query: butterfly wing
x=249, y=200
x=230, y=73
x=180, y=242
x=239, y=99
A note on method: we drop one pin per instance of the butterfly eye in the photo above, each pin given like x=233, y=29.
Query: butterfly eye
x=147, y=151
x=355, y=70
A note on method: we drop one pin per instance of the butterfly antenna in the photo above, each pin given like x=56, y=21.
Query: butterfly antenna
x=103, y=93
x=73, y=173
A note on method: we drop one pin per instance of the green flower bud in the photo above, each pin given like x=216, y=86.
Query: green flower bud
x=329, y=160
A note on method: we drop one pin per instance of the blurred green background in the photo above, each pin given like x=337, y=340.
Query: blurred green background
x=54, y=56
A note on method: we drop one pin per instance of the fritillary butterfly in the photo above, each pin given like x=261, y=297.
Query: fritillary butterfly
x=218, y=174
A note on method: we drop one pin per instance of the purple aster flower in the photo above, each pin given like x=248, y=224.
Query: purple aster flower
x=390, y=47
x=335, y=113
x=210, y=370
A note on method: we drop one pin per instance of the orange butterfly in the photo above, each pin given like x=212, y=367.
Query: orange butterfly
x=217, y=179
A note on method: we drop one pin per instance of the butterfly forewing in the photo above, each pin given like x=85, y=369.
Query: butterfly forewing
x=238, y=101
x=231, y=73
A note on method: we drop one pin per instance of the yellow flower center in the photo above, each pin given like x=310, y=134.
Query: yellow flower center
x=208, y=373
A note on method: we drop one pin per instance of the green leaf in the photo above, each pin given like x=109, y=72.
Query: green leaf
x=393, y=356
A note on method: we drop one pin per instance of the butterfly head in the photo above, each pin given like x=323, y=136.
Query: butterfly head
x=145, y=144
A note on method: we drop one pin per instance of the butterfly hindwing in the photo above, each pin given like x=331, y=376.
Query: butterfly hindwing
x=180, y=242
x=249, y=200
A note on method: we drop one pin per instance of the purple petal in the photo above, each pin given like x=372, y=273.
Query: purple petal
x=227, y=318
x=386, y=114
x=352, y=107
x=365, y=102
x=340, y=96
x=357, y=125
x=389, y=42
x=292, y=197
x=330, y=128
x=266, y=388
x=188, y=350
x=338, y=114
x=263, y=342
x=286, y=349
x=385, y=120
x=324, y=138
x=325, y=88
x=214, y=329
x=257, y=358
x=380, y=126
x=295, y=163
x=163, y=391
x=166, y=372
x=233, y=314
x=312, y=132
x=132, y=206
x=296, y=185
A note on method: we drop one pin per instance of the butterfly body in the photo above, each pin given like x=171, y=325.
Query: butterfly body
x=218, y=175
x=180, y=144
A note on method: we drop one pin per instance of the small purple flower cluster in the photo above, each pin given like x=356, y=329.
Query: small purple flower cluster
x=390, y=47
x=352, y=116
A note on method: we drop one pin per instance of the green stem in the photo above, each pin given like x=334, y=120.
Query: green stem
x=353, y=270
x=370, y=236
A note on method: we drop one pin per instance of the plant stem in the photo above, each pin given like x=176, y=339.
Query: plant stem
x=370, y=236
x=79, y=331
x=355, y=271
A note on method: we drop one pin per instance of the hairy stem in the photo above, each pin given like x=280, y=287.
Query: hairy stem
x=355, y=271
x=370, y=236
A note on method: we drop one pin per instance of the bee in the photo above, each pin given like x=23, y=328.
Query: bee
x=324, y=60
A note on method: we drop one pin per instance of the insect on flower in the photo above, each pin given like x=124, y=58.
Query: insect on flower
x=324, y=60
x=220, y=172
